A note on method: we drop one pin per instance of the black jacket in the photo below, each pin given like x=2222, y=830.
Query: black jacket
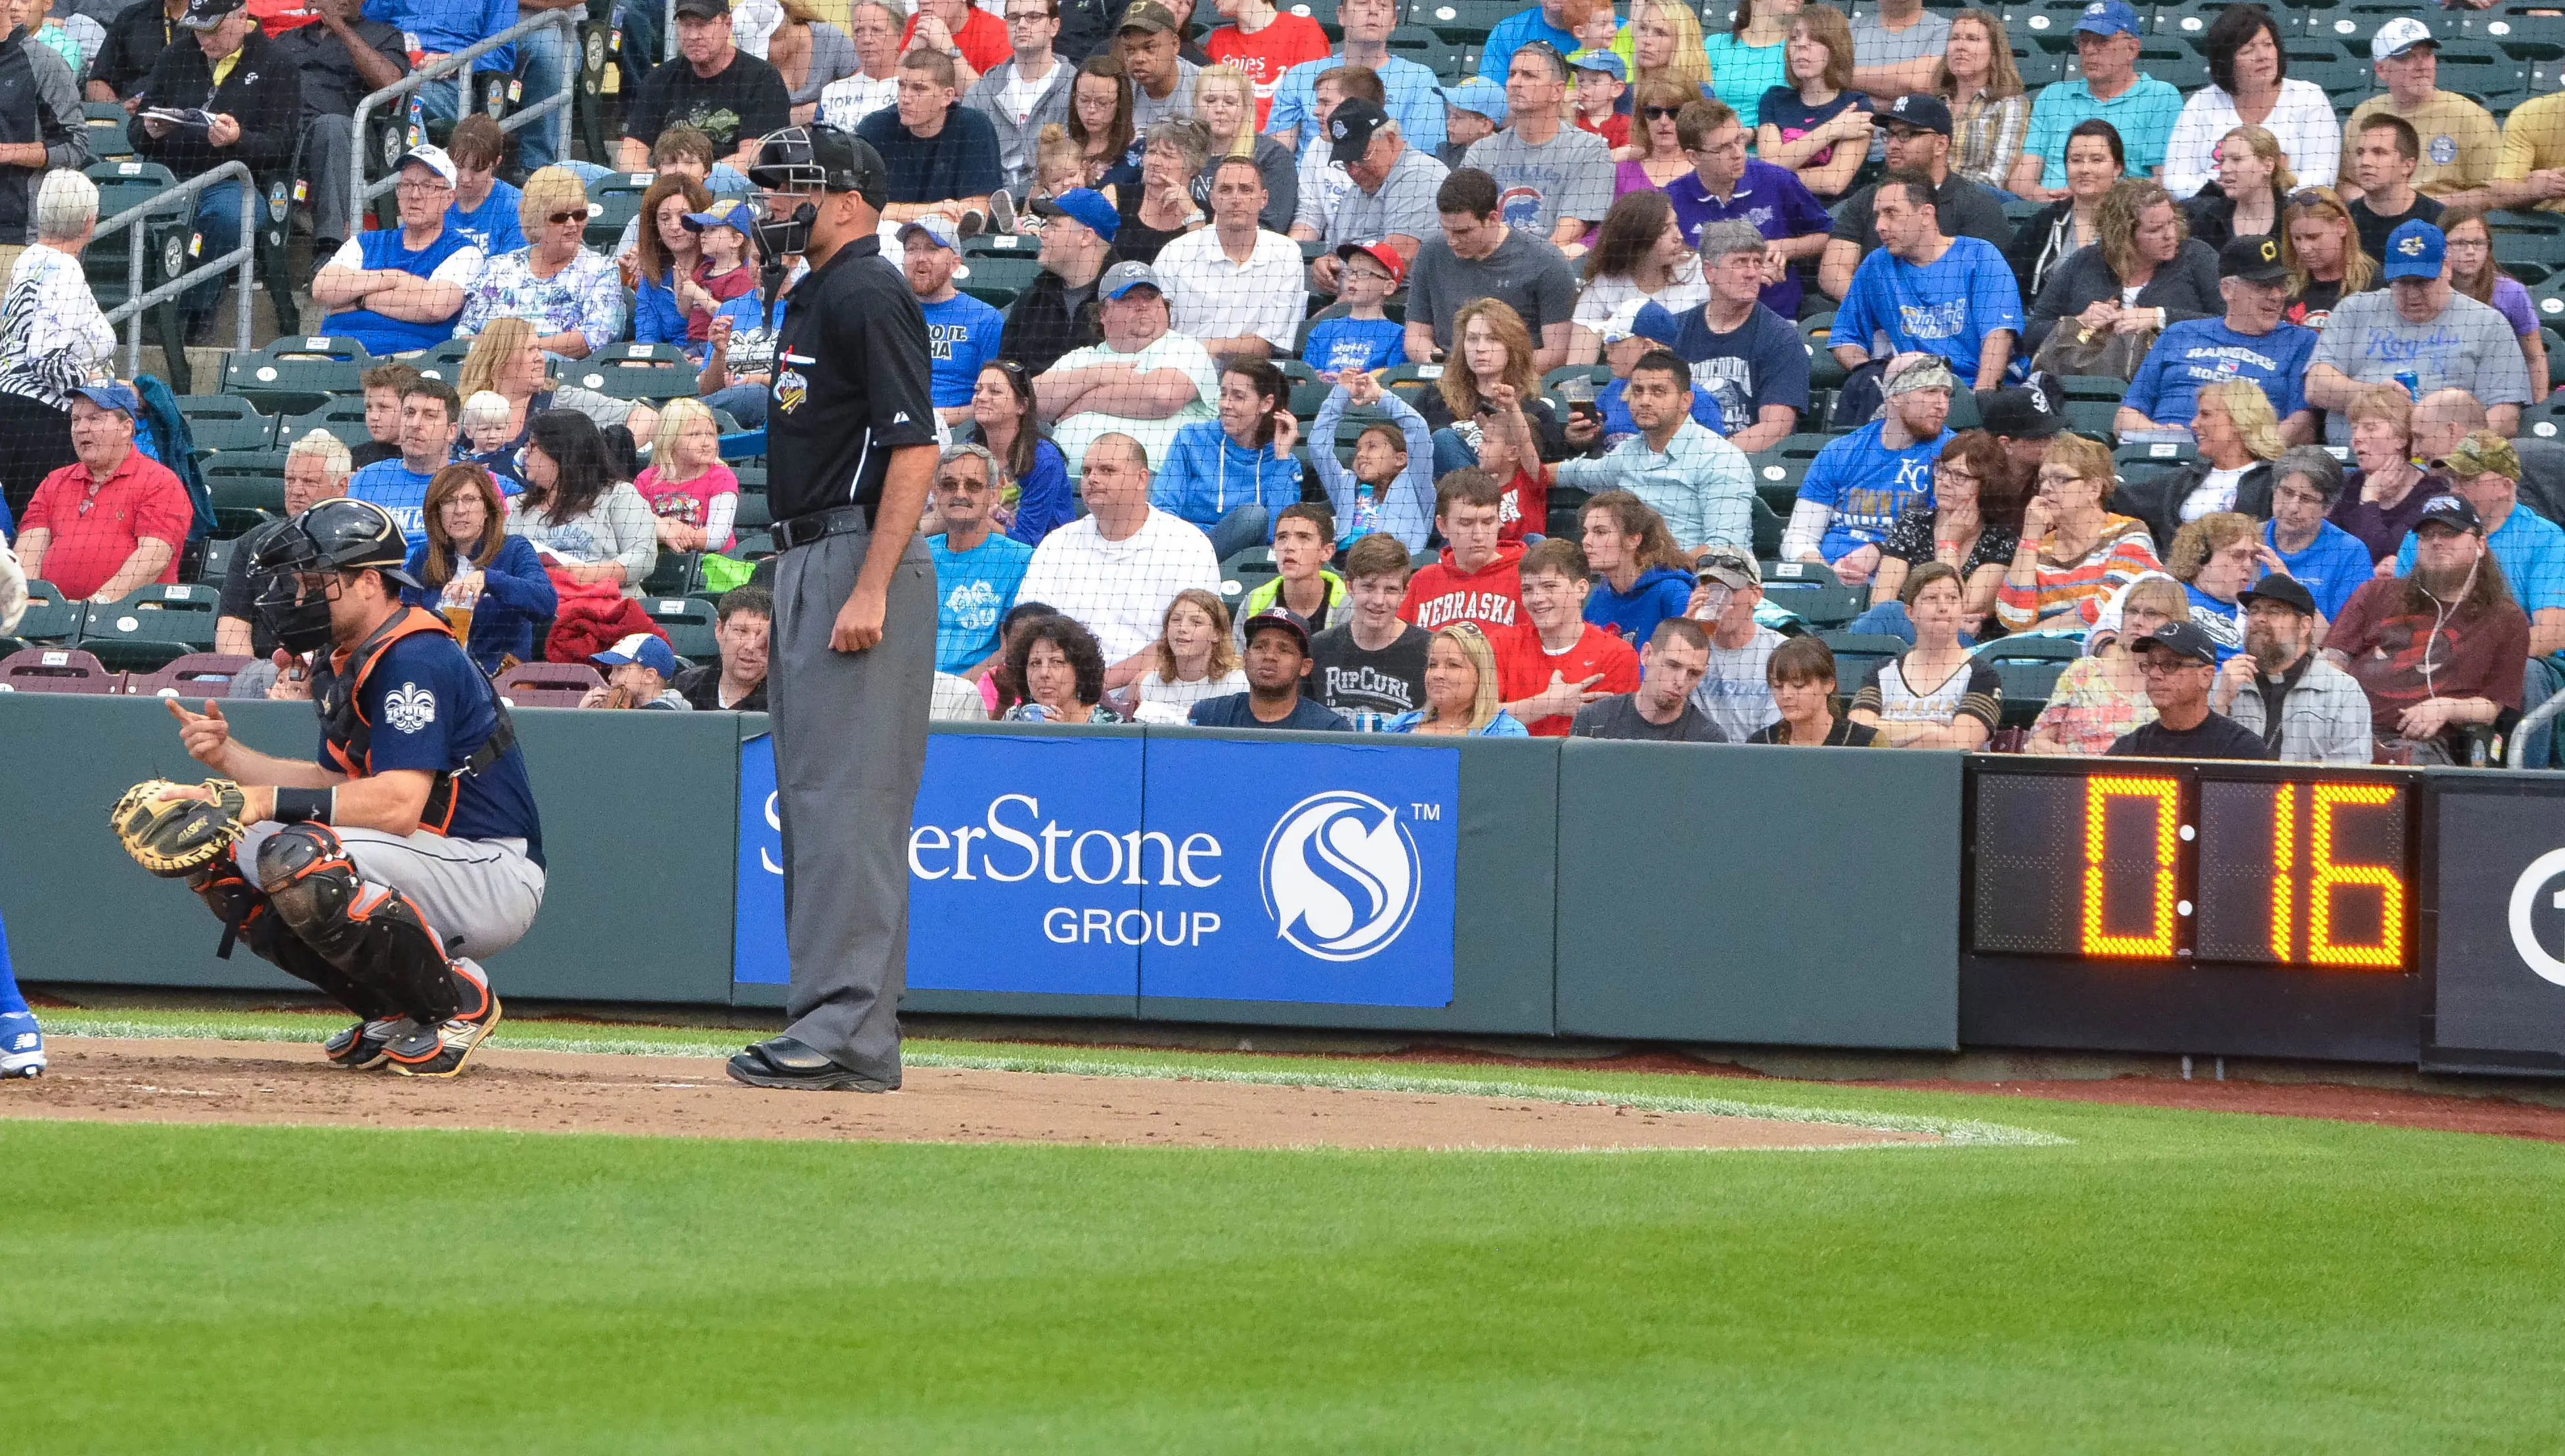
x=24, y=117
x=2212, y=215
x=2157, y=499
x=2186, y=288
x=134, y=40
x=1041, y=326
x=263, y=92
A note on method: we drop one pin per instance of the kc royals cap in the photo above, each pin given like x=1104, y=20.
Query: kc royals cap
x=1919, y=110
x=1350, y=129
x=2398, y=36
x=2180, y=638
x=2414, y=250
x=652, y=652
x=2450, y=511
x=2108, y=18
x=1602, y=59
x=2254, y=258
x=2283, y=588
x=1121, y=278
x=431, y=158
x=207, y=14
x=1081, y=205
x=1480, y=94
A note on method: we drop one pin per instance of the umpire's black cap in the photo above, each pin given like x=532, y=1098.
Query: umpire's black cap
x=820, y=158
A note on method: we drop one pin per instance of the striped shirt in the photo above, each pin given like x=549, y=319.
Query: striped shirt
x=53, y=338
x=2120, y=555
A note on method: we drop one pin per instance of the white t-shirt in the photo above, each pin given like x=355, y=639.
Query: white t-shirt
x=1119, y=590
x=843, y=104
x=1018, y=97
x=1735, y=691
x=1596, y=305
x=1171, y=351
x=1181, y=695
x=2215, y=494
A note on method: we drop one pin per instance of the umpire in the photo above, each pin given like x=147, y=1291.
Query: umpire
x=850, y=450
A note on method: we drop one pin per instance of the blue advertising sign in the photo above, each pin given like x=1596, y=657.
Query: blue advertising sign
x=1160, y=866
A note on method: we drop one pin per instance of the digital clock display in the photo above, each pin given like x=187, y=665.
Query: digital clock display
x=2193, y=862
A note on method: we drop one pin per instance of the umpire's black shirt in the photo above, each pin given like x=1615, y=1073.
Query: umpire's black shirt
x=851, y=384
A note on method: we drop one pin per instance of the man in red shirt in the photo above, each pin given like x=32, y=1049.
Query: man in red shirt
x=1476, y=580
x=1557, y=661
x=113, y=522
x=1263, y=42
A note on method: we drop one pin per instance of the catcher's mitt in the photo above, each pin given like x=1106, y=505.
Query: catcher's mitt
x=172, y=836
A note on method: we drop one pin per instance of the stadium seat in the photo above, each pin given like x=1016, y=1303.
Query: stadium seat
x=1857, y=654
x=50, y=618
x=1243, y=573
x=1461, y=21
x=248, y=490
x=548, y=684
x=225, y=422
x=56, y=670
x=2029, y=667
x=198, y=675
x=108, y=138
x=753, y=511
x=612, y=203
x=107, y=263
x=150, y=628
x=654, y=372
x=688, y=624
x=1012, y=272
x=231, y=523
x=674, y=575
x=446, y=361
x=1768, y=525
x=343, y=418
x=299, y=375
x=1824, y=371
x=1811, y=592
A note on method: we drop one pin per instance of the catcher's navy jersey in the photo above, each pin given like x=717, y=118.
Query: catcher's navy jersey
x=429, y=708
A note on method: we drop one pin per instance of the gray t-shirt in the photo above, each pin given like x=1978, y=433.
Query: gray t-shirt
x=2468, y=347
x=1570, y=175
x=1147, y=111
x=1404, y=204
x=1874, y=44
x=1734, y=692
x=1618, y=717
x=1532, y=277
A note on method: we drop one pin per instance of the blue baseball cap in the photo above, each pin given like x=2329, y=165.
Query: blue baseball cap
x=112, y=396
x=2414, y=250
x=2108, y=18
x=652, y=652
x=1600, y=58
x=1657, y=323
x=733, y=214
x=936, y=226
x=1081, y=205
x=1480, y=94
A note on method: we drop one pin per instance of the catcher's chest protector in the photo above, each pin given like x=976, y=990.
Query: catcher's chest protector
x=339, y=687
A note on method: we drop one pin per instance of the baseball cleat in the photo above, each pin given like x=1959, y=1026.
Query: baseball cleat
x=22, y=1046
x=441, y=1050
x=360, y=1047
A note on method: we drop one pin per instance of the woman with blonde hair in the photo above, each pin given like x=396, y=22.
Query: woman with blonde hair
x=1193, y=659
x=2238, y=437
x=1666, y=44
x=2102, y=696
x=508, y=359
x=1990, y=115
x=2215, y=558
x=1460, y=689
x=1487, y=410
x=2321, y=246
x=2252, y=186
x=2384, y=496
x=694, y=495
x=2075, y=554
x=2473, y=272
x=1225, y=102
x=1749, y=59
x=573, y=297
x=2145, y=246
x=1815, y=123
x=469, y=563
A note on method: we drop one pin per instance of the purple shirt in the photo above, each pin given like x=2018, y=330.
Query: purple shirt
x=1770, y=197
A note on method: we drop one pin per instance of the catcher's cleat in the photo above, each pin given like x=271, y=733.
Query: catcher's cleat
x=22, y=1046
x=360, y=1047
x=442, y=1049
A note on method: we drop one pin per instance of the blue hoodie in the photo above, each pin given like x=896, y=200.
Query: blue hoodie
x=1207, y=475
x=1660, y=592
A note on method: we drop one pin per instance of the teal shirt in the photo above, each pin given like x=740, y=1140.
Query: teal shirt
x=1741, y=74
x=2144, y=116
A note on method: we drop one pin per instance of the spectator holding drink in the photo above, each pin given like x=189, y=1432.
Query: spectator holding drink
x=490, y=586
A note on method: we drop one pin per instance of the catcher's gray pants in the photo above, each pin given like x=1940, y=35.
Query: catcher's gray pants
x=849, y=748
x=478, y=895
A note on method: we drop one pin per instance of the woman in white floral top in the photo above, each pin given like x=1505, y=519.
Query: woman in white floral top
x=574, y=298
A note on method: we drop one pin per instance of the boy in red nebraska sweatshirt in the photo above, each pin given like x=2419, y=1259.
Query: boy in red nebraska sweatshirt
x=1556, y=661
x=1476, y=580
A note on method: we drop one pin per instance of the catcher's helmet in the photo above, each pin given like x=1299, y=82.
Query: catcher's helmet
x=332, y=536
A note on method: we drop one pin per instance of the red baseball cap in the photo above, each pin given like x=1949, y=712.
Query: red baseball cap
x=1380, y=253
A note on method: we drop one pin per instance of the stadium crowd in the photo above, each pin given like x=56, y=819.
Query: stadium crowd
x=1289, y=382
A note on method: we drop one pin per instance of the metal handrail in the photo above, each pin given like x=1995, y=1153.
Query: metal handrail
x=133, y=220
x=362, y=192
x=2529, y=723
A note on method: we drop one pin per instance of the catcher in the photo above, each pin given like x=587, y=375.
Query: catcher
x=384, y=870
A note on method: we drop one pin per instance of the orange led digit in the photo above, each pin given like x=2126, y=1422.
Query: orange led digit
x=2098, y=794
x=2321, y=949
x=2284, y=848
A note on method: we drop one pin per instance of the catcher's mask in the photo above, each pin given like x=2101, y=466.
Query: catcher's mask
x=331, y=537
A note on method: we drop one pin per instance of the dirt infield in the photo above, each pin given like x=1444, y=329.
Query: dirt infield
x=553, y=1091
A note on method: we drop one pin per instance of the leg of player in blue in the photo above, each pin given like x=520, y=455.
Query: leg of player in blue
x=22, y=1042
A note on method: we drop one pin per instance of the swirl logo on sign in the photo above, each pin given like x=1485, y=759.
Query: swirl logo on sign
x=2524, y=900
x=1340, y=875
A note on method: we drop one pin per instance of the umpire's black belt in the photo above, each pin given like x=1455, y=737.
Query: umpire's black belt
x=820, y=525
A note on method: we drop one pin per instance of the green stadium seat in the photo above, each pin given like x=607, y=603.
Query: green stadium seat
x=753, y=511
x=150, y=628
x=1768, y=525
x=673, y=574
x=50, y=618
x=1243, y=573
x=225, y=422
x=108, y=137
x=1824, y=371
x=446, y=361
x=612, y=203
x=688, y=622
x=1461, y=21
x=2029, y=667
x=343, y=418
x=297, y=374
x=635, y=372
x=1858, y=655
x=247, y=490
x=1811, y=592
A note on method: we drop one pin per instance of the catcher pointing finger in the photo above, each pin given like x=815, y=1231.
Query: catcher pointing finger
x=382, y=870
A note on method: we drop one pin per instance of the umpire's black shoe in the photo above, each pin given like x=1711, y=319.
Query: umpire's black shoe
x=786, y=1062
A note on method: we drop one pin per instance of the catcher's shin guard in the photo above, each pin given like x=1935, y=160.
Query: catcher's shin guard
x=245, y=912
x=374, y=933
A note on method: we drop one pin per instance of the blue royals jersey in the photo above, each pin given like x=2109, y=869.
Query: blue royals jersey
x=430, y=708
x=962, y=336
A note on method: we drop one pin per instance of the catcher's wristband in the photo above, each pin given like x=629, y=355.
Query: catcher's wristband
x=305, y=805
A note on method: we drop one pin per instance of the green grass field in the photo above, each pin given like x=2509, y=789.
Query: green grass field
x=2156, y=1280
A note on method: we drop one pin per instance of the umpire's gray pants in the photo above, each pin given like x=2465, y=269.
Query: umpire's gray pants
x=327, y=140
x=850, y=747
